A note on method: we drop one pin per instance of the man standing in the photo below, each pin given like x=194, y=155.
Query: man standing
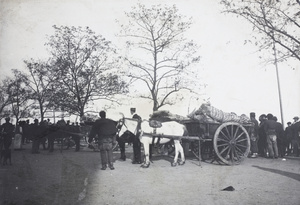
x=254, y=136
x=270, y=129
x=288, y=136
x=106, y=131
x=7, y=132
x=136, y=142
x=36, y=131
x=295, y=128
x=262, y=137
x=280, y=138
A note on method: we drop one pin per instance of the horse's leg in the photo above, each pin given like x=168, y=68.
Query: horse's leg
x=182, y=156
x=178, y=149
x=146, y=152
x=174, y=163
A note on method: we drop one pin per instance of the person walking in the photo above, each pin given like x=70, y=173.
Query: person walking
x=270, y=129
x=106, y=131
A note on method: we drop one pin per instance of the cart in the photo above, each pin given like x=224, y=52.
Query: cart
x=226, y=143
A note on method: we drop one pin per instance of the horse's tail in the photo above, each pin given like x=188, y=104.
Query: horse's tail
x=185, y=131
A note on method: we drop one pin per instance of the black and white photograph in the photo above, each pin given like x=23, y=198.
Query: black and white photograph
x=152, y=102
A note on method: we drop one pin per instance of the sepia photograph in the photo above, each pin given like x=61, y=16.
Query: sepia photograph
x=155, y=102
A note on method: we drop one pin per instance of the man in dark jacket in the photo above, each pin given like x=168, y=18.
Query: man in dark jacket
x=262, y=138
x=106, y=131
x=254, y=136
x=280, y=138
x=295, y=128
x=7, y=133
x=136, y=142
x=270, y=129
x=288, y=137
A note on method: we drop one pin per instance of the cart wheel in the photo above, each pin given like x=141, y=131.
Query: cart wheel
x=231, y=143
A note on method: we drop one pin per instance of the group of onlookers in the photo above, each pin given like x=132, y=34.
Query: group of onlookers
x=34, y=133
x=269, y=138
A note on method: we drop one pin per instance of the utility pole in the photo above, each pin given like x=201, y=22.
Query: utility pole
x=278, y=84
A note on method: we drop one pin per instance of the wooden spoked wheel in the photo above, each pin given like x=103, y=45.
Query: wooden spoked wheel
x=231, y=143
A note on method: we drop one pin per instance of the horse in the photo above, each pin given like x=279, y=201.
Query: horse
x=150, y=135
x=61, y=131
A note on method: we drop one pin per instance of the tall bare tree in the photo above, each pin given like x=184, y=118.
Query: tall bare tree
x=158, y=53
x=4, y=98
x=84, y=64
x=40, y=82
x=277, y=21
x=19, y=95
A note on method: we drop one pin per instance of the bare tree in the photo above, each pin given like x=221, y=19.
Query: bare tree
x=40, y=82
x=84, y=64
x=277, y=21
x=158, y=53
x=4, y=98
x=19, y=95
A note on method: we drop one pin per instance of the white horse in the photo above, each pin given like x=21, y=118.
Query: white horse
x=171, y=130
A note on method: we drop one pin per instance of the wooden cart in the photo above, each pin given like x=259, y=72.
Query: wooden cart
x=227, y=143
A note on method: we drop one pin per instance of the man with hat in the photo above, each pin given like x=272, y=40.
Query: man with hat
x=270, y=129
x=7, y=132
x=137, y=157
x=106, y=131
x=36, y=136
x=262, y=137
x=288, y=137
x=295, y=119
x=295, y=129
x=254, y=136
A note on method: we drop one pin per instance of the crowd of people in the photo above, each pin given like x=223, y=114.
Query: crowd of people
x=35, y=133
x=269, y=139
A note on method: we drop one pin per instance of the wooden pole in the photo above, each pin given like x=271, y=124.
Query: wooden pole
x=278, y=84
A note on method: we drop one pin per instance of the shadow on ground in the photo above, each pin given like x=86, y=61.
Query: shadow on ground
x=283, y=173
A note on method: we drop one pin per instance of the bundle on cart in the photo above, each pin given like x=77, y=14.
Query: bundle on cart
x=208, y=113
x=165, y=116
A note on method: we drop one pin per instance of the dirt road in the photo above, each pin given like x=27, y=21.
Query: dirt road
x=70, y=177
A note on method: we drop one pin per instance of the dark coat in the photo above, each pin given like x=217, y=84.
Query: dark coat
x=104, y=128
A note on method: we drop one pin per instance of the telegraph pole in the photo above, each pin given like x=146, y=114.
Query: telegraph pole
x=278, y=84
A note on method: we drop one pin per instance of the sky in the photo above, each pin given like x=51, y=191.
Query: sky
x=237, y=80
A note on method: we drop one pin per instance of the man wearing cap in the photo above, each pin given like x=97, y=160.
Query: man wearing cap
x=106, y=131
x=270, y=129
x=295, y=129
x=280, y=138
x=137, y=158
x=254, y=136
x=262, y=137
x=7, y=132
x=36, y=136
x=288, y=137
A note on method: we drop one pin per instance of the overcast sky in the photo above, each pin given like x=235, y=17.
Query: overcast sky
x=237, y=80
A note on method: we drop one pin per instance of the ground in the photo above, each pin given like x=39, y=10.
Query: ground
x=70, y=177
